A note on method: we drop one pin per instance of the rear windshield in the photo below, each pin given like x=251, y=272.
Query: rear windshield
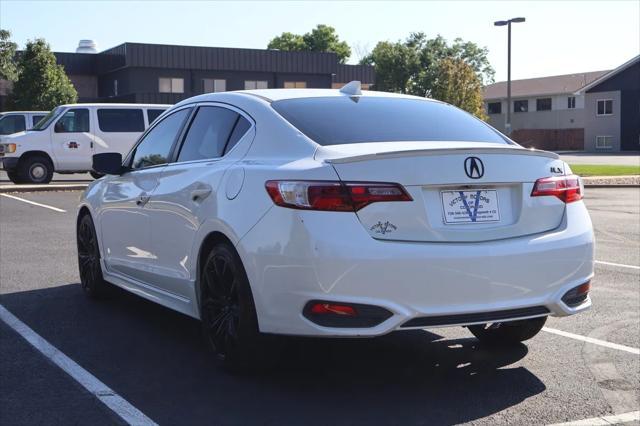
x=344, y=120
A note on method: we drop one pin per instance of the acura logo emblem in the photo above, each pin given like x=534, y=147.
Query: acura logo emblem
x=473, y=167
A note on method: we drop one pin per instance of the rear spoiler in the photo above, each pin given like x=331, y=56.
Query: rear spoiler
x=429, y=152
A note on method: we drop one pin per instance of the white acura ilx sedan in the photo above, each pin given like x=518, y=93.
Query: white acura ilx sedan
x=336, y=213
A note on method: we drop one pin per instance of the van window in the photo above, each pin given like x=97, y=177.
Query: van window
x=208, y=134
x=152, y=114
x=120, y=120
x=156, y=146
x=11, y=124
x=75, y=120
x=36, y=118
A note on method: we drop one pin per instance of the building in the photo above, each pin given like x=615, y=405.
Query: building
x=546, y=113
x=154, y=73
x=612, y=109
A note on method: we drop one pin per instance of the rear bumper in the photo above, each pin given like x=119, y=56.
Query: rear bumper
x=293, y=257
x=9, y=163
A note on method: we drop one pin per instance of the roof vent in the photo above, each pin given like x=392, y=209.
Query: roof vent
x=87, y=46
x=351, y=88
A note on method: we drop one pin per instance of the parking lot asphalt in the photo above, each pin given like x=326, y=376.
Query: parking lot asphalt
x=153, y=357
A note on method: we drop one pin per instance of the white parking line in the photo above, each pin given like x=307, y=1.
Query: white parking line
x=55, y=209
x=624, y=348
x=614, y=419
x=620, y=265
x=130, y=414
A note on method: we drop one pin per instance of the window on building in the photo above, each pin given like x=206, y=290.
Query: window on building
x=604, y=107
x=11, y=124
x=295, y=84
x=121, y=120
x=494, y=107
x=152, y=114
x=521, y=106
x=156, y=146
x=208, y=134
x=37, y=118
x=73, y=121
x=171, y=85
x=604, y=142
x=255, y=84
x=571, y=102
x=211, y=85
x=543, y=104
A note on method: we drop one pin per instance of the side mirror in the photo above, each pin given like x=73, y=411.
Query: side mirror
x=108, y=163
x=59, y=127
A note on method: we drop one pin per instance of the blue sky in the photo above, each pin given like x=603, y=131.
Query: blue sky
x=559, y=37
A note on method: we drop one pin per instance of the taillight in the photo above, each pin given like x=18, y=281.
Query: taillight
x=566, y=188
x=333, y=196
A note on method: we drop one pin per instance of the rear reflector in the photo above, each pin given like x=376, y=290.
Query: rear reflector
x=344, y=315
x=566, y=188
x=577, y=295
x=333, y=196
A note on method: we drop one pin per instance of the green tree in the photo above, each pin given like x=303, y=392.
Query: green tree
x=42, y=84
x=456, y=83
x=411, y=66
x=8, y=69
x=322, y=38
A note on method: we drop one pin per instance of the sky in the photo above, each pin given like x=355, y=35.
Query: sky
x=558, y=37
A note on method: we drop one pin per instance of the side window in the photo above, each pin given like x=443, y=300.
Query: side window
x=208, y=134
x=152, y=114
x=11, y=124
x=121, y=120
x=73, y=121
x=36, y=118
x=242, y=125
x=155, y=148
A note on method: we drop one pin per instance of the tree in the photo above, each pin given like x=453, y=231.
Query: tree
x=456, y=83
x=322, y=38
x=7, y=56
x=42, y=84
x=419, y=56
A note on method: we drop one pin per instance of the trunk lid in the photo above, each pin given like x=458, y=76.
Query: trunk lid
x=462, y=192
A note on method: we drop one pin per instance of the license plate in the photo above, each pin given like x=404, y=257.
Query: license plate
x=477, y=206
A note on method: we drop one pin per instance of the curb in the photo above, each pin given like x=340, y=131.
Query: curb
x=611, y=185
x=43, y=188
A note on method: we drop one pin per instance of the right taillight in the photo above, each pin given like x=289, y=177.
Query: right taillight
x=332, y=195
x=566, y=188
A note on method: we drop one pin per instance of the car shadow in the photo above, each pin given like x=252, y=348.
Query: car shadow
x=154, y=358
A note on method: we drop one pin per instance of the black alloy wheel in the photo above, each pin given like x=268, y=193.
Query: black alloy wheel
x=91, y=278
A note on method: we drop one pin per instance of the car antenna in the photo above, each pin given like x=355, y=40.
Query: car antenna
x=352, y=88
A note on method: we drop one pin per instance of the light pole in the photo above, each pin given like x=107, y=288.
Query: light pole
x=508, y=24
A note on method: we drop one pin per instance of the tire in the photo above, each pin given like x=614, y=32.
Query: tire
x=95, y=175
x=506, y=333
x=13, y=177
x=91, y=279
x=228, y=313
x=35, y=169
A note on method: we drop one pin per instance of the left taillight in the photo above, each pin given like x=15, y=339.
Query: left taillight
x=567, y=188
x=332, y=195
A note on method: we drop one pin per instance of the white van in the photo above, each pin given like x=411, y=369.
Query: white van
x=65, y=140
x=19, y=121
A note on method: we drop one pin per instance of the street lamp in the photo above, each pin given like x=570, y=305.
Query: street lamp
x=508, y=24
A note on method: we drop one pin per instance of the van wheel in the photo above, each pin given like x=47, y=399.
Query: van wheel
x=13, y=177
x=229, y=320
x=96, y=175
x=35, y=169
x=505, y=333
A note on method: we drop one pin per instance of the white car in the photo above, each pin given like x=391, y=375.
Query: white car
x=336, y=213
x=65, y=140
x=19, y=121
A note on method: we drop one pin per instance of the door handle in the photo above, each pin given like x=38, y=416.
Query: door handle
x=201, y=193
x=142, y=200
